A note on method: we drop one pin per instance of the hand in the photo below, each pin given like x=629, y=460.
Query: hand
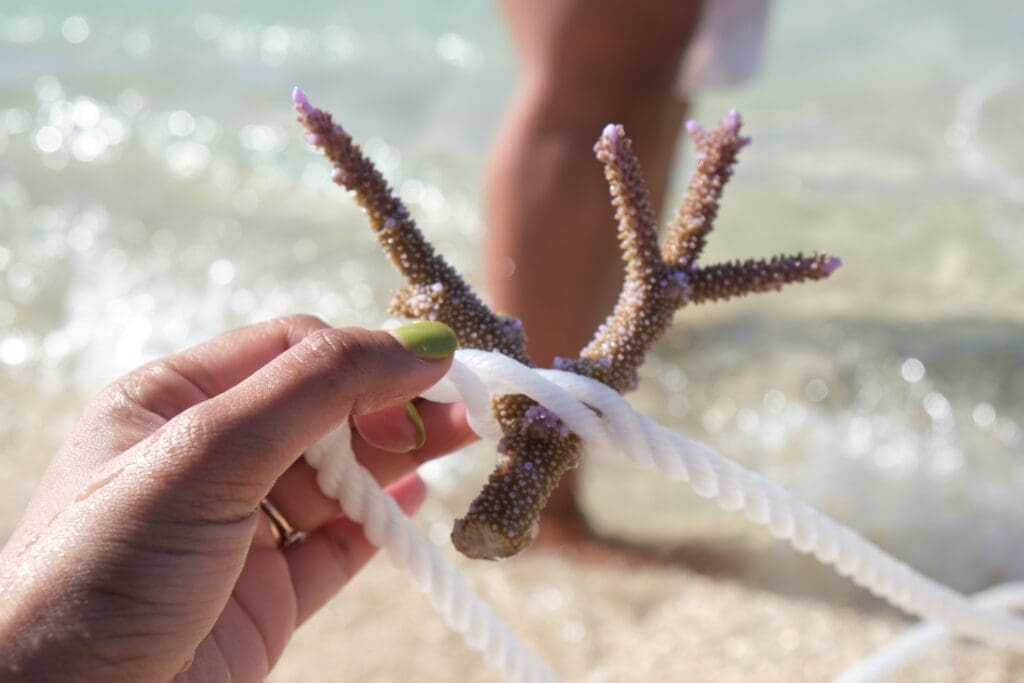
x=144, y=554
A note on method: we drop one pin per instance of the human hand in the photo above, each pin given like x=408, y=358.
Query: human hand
x=144, y=554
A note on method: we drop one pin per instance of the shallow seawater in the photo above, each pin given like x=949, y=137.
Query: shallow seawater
x=154, y=191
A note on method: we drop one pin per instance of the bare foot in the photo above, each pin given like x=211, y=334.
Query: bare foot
x=564, y=530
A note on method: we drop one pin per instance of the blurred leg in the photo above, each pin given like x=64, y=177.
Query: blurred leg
x=551, y=249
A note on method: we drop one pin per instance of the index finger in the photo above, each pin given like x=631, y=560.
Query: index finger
x=171, y=385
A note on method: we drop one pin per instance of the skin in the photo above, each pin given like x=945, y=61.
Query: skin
x=583, y=63
x=144, y=555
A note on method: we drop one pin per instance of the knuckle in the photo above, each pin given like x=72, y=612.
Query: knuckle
x=115, y=399
x=192, y=430
x=159, y=387
x=115, y=413
x=126, y=389
x=297, y=327
x=200, y=446
x=329, y=340
x=344, y=352
x=304, y=320
x=204, y=429
x=128, y=392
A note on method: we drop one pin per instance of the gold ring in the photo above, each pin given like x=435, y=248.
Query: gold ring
x=284, y=533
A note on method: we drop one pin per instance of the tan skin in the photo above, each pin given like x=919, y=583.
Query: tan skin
x=584, y=63
x=144, y=554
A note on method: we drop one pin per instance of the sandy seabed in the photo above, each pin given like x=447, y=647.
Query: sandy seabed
x=594, y=623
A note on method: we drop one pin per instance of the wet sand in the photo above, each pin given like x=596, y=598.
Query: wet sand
x=596, y=624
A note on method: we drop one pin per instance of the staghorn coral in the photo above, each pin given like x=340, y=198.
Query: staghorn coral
x=435, y=291
x=537, y=448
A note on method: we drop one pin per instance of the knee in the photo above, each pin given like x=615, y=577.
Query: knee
x=614, y=50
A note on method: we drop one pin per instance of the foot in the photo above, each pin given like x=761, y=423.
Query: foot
x=567, y=532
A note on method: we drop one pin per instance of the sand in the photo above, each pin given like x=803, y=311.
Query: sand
x=595, y=624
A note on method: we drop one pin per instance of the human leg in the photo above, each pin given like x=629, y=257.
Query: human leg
x=552, y=252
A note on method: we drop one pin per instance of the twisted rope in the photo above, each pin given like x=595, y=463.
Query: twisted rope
x=900, y=653
x=386, y=526
x=602, y=418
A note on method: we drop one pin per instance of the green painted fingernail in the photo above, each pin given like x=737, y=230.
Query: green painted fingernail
x=427, y=339
x=417, y=422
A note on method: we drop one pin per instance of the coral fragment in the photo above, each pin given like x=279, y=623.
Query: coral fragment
x=537, y=448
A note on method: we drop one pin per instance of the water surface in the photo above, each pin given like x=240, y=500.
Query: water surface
x=154, y=191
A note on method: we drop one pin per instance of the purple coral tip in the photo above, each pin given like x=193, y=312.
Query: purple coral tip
x=733, y=120
x=695, y=131
x=301, y=101
x=612, y=133
x=831, y=264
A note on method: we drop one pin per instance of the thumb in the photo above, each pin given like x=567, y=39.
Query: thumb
x=233, y=447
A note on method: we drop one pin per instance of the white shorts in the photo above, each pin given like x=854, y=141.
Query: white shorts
x=727, y=49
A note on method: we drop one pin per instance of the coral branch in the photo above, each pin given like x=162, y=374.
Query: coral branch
x=728, y=280
x=715, y=155
x=650, y=293
x=655, y=286
x=536, y=449
x=436, y=291
x=638, y=226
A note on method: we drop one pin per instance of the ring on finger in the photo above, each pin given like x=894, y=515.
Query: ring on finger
x=284, y=533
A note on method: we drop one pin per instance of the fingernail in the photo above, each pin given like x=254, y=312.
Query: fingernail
x=427, y=339
x=417, y=423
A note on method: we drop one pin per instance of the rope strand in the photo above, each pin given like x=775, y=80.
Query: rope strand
x=902, y=652
x=386, y=526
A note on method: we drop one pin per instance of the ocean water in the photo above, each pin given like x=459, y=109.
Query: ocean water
x=154, y=191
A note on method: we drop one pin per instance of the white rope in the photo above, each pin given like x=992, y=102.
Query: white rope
x=913, y=644
x=386, y=526
x=602, y=418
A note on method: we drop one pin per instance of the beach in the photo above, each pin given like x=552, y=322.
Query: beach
x=155, y=191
